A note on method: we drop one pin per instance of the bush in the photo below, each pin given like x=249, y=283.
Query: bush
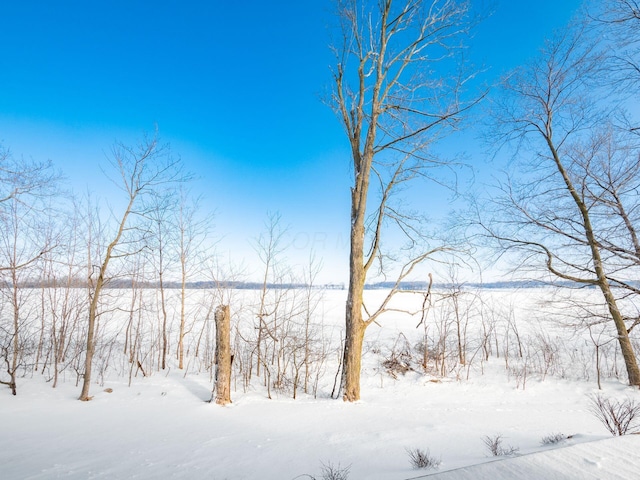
x=620, y=417
x=553, y=439
x=497, y=449
x=329, y=471
x=422, y=459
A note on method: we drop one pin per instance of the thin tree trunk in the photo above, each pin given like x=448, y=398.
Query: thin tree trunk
x=91, y=346
x=164, y=324
x=307, y=348
x=16, y=335
x=461, y=351
x=39, y=352
x=183, y=289
x=262, y=313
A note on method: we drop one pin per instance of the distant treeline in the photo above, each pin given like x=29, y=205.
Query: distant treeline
x=418, y=286
x=239, y=285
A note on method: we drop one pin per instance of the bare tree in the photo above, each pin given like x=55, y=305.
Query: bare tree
x=620, y=417
x=25, y=187
x=161, y=228
x=22, y=179
x=620, y=24
x=141, y=170
x=310, y=302
x=269, y=246
x=61, y=276
x=19, y=247
x=557, y=210
x=192, y=234
x=393, y=106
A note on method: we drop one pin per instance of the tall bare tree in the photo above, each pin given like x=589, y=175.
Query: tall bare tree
x=62, y=274
x=269, y=246
x=25, y=187
x=160, y=217
x=399, y=83
x=193, y=232
x=561, y=209
x=141, y=170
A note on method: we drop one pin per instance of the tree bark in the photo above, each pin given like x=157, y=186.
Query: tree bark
x=223, y=358
x=630, y=361
x=91, y=346
x=355, y=326
x=352, y=362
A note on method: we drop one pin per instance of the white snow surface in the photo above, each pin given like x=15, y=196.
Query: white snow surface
x=162, y=427
x=614, y=458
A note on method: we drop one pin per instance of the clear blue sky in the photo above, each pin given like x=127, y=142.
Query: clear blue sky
x=234, y=87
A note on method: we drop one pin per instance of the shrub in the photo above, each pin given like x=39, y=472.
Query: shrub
x=620, y=417
x=553, y=439
x=422, y=459
x=497, y=449
x=329, y=471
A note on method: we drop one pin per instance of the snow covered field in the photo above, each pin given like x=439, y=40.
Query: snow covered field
x=162, y=426
x=606, y=459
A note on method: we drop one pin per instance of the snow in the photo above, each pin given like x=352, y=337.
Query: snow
x=162, y=426
x=614, y=458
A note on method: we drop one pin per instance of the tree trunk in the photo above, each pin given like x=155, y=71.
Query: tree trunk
x=223, y=358
x=354, y=324
x=16, y=325
x=91, y=344
x=164, y=324
x=352, y=363
x=183, y=292
x=630, y=361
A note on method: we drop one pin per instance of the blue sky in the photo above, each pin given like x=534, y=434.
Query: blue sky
x=236, y=88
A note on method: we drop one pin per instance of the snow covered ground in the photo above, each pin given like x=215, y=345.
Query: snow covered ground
x=614, y=458
x=162, y=427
